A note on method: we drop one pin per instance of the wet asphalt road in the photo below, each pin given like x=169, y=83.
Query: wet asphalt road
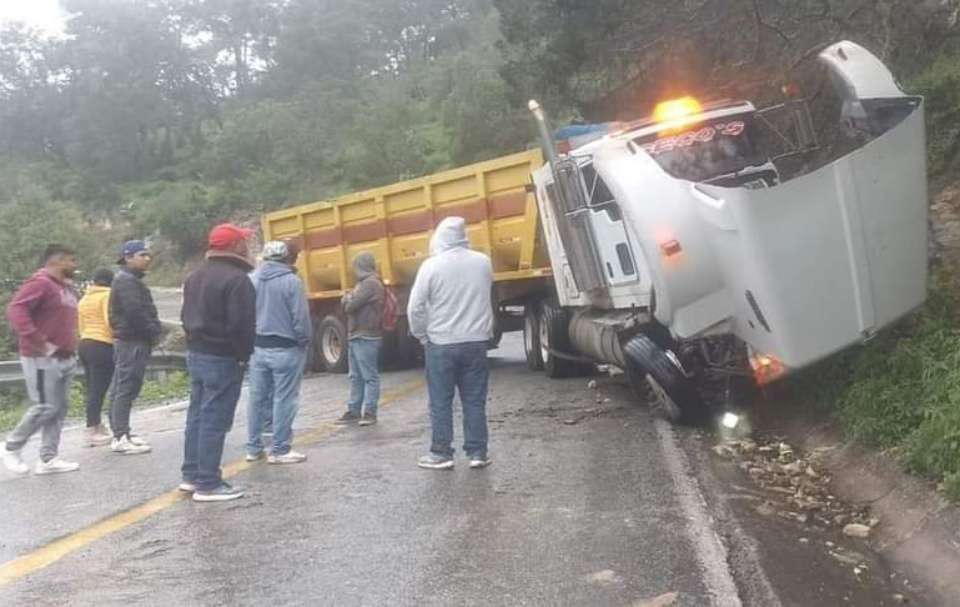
x=588, y=502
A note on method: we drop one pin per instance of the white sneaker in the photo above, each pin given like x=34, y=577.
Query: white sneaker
x=14, y=462
x=124, y=446
x=138, y=440
x=253, y=457
x=186, y=487
x=291, y=457
x=56, y=466
x=478, y=462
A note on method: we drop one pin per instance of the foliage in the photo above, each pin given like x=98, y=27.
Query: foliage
x=175, y=386
x=32, y=219
x=940, y=84
x=161, y=118
x=166, y=117
x=609, y=57
x=902, y=392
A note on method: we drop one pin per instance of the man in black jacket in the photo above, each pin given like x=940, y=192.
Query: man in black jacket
x=220, y=317
x=136, y=328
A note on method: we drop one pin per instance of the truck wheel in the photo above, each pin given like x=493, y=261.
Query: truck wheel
x=332, y=344
x=314, y=362
x=531, y=338
x=402, y=350
x=554, y=336
x=675, y=397
x=494, y=342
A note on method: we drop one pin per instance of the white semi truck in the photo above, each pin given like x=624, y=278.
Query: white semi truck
x=680, y=255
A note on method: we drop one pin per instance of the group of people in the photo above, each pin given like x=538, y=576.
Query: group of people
x=239, y=320
x=117, y=326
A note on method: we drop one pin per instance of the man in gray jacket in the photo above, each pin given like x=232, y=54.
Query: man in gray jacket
x=364, y=308
x=276, y=369
x=450, y=312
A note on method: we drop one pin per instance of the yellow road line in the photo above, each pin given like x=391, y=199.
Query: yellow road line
x=54, y=551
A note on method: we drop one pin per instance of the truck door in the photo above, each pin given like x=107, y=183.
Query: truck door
x=591, y=227
x=610, y=235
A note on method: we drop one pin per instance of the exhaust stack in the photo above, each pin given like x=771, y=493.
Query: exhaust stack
x=549, y=149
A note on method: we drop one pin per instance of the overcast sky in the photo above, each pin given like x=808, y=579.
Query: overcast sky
x=42, y=14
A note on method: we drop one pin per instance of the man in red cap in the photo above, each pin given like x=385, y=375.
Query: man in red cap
x=219, y=316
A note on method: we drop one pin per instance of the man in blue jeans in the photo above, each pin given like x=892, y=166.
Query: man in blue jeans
x=283, y=334
x=450, y=312
x=219, y=317
x=364, y=308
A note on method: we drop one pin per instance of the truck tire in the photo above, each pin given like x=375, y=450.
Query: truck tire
x=401, y=350
x=531, y=337
x=675, y=396
x=314, y=362
x=331, y=344
x=554, y=337
x=494, y=342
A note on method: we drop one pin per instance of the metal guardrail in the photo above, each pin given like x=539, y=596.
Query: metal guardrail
x=11, y=373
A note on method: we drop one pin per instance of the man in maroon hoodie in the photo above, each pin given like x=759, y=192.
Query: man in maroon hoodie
x=43, y=314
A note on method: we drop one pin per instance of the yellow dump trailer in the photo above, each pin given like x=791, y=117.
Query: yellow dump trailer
x=395, y=222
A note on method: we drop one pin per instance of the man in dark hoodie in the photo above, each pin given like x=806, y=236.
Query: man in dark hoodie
x=283, y=334
x=136, y=328
x=364, y=308
x=219, y=316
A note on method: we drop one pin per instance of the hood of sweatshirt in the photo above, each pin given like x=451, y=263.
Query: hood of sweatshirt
x=272, y=269
x=364, y=265
x=451, y=233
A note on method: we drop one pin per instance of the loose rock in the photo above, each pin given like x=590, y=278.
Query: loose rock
x=766, y=509
x=857, y=530
x=664, y=600
x=846, y=559
x=793, y=469
x=802, y=486
x=724, y=451
x=592, y=384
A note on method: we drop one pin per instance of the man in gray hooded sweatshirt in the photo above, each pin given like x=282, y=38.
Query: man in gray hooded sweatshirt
x=283, y=334
x=450, y=312
x=364, y=308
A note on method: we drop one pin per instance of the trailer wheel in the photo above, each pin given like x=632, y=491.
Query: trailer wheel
x=531, y=338
x=675, y=397
x=332, y=344
x=494, y=342
x=314, y=362
x=554, y=338
x=401, y=350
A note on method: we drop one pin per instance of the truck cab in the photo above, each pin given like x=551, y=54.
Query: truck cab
x=679, y=251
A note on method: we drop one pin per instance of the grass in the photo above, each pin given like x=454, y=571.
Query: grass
x=155, y=392
x=901, y=393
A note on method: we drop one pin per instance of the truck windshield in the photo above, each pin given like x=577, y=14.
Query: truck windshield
x=705, y=150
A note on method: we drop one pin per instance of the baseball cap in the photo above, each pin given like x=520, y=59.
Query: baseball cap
x=131, y=248
x=226, y=235
x=276, y=250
